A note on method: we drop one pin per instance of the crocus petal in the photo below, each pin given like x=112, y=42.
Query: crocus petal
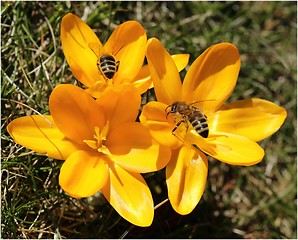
x=253, y=118
x=130, y=196
x=153, y=116
x=120, y=104
x=164, y=73
x=40, y=134
x=143, y=80
x=75, y=112
x=228, y=148
x=128, y=44
x=186, y=176
x=212, y=77
x=132, y=148
x=181, y=61
x=83, y=174
x=99, y=89
x=75, y=38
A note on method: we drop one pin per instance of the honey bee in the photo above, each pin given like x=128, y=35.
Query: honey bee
x=106, y=64
x=190, y=114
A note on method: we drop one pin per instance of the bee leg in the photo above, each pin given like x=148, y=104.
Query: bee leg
x=117, y=65
x=175, y=128
x=177, y=125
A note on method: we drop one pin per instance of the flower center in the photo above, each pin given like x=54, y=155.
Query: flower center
x=100, y=137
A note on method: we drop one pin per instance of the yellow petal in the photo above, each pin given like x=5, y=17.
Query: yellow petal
x=75, y=112
x=75, y=38
x=133, y=148
x=128, y=44
x=98, y=89
x=121, y=104
x=253, y=118
x=130, y=196
x=143, y=80
x=181, y=61
x=143, y=85
x=186, y=176
x=212, y=77
x=83, y=174
x=40, y=134
x=164, y=73
x=144, y=74
x=228, y=148
x=127, y=136
x=153, y=116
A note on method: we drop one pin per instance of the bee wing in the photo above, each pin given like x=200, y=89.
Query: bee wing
x=193, y=103
x=95, y=47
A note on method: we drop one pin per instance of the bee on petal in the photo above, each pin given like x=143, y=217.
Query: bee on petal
x=190, y=114
x=106, y=63
x=108, y=66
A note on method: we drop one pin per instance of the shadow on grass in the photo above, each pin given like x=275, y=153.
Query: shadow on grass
x=201, y=223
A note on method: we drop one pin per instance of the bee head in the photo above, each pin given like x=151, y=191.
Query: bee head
x=173, y=108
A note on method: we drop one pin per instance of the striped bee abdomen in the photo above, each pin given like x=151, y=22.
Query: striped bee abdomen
x=107, y=66
x=199, y=122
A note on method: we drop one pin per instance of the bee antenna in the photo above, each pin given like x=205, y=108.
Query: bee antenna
x=203, y=101
x=167, y=107
x=167, y=115
x=168, y=112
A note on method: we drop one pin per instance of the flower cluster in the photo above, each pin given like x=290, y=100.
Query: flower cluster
x=106, y=147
